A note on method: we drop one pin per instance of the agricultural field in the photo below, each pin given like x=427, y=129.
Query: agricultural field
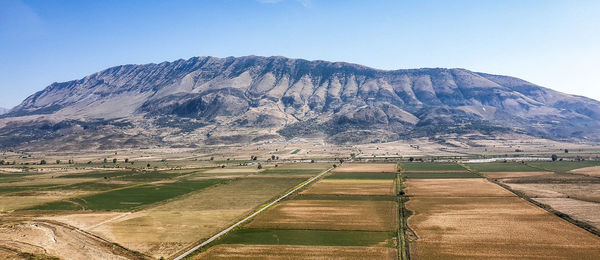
x=351, y=213
x=454, y=188
x=297, y=252
x=493, y=227
x=366, y=167
x=590, y=171
x=354, y=211
x=439, y=175
x=329, y=215
x=352, y=187
x=431, y=167
x=130, y=197
x=458, y=218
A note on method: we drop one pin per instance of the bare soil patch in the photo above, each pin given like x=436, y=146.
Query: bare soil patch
x=351, y=187
x=38, y=237
x=509, y=227
x=454, y=188
x=297, y=252
x=329, y=215
x=590, y=171
x=366, y=167
x=499, y=175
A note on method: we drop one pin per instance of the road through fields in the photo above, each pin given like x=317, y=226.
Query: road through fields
x=311, y=180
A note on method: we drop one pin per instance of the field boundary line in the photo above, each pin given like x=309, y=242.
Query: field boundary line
x=580, y=224
x=225, y=231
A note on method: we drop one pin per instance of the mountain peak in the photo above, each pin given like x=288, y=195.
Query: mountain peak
x=253, y=98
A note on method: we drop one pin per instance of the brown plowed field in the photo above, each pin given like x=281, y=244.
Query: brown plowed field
x=476, y=219
x=297, y=252
x=352, y=187
x=329, y=215
x=454, y=188
x=366, y=167
x=585, y=211
x=494, y=228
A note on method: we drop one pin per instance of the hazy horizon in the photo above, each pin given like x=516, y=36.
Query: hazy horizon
x=549, y=43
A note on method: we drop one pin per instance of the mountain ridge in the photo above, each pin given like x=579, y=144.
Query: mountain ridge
x=271, y=98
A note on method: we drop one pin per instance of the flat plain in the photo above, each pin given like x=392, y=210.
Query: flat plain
x=352, y=187
x=296, y=252
x=454, y=188
x=477, y=219
x=329, y=215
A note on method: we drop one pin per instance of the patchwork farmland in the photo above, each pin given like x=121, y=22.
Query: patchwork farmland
x=356, y=210
x=458, y=218
x=344, y=215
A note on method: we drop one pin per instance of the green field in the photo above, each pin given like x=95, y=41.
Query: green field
x=501, y=167
x=129, y=198
x=10, y=189
x=429, y=166
x=439, y=175
x=307, y=237
x=344, y=197
x=292, y=171
x=99, y=174
x=363, y=175
x=563, y=166
x=89, y=186
x=154, y=175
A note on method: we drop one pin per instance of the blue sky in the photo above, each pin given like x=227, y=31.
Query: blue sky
x=555, y=44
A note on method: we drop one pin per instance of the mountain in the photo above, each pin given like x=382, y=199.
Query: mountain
x=3, y=110
x=208, y=100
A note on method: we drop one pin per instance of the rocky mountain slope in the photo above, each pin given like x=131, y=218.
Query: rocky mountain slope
x=208, y=100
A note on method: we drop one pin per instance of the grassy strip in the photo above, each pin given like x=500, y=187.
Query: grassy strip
x=292, y=171
x=363, y=175
x=403, y=250
x=307, y=237
x=130, y=197
x=501, y=167
x=562, y=166
x=439, y=175
x=11, y=189
x=344, y=197
x=429, y=166
x=99, y=174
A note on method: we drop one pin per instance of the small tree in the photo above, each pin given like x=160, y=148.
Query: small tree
x=126, y=160
x=105, y=160
x=57, y=161
x=312, y=161
x=411, y=159
x=273, y=157
x=43, y=161
x=148, y=165
x=115, y=160
x=334, y=166
x=212, y=158
x=566, y=150
x=259, y=166
x=2, y=162
x=554, y=157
